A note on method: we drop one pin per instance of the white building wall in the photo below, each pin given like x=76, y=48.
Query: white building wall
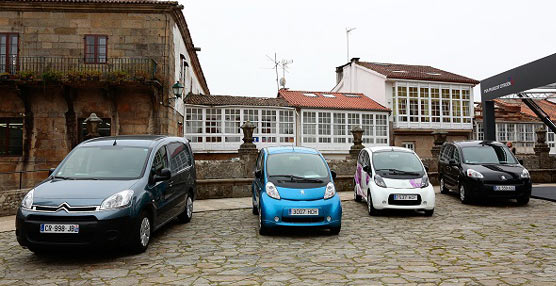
x=361, y=80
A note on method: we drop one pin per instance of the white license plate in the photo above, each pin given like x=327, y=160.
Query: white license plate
x=504, y=188
x=59, y=228
x=304, y=212
x=405, y=197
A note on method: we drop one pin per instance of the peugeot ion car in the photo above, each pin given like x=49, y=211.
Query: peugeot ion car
x=293, y=186
x=392, y=178
x=115, y=190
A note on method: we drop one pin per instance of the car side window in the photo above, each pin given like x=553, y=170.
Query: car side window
x=447, y=154
x=179, y=157
x=455, y=155
x=160, y=160
x=366, y=159
x=259, y=164
x=360, y=158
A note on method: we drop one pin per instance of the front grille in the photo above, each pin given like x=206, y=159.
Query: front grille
x=65, y=207
x=302, y=219
x=81, y=218
x=391, y=201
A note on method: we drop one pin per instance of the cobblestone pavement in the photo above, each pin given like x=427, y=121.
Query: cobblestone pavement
x=493, y=244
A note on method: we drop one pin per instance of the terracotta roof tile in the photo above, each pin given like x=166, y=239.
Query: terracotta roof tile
x=218, y=100
x=416, y=72
x=330, y=100
x=547, y=106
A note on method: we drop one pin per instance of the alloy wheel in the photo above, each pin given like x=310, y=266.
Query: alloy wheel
x=462, y=194
x=145, y=231
x=189, y=207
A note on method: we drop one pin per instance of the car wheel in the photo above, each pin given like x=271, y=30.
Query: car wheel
x=262, y=229
x=356, y=197
x=523, y=200
x=141, y=233
x=335, y=230
x=429, y=212
x=464, y=195
x=254, y=209
x=443, y=189
x=370, y=208
x=187, y=214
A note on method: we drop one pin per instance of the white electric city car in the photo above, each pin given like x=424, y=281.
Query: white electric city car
x=392, y=178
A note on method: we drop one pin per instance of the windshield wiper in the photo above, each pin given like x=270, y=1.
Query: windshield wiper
x=63, y=178
x=298, y=178
x=400, y=172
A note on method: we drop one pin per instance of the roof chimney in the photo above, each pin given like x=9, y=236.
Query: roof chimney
x=355, y=60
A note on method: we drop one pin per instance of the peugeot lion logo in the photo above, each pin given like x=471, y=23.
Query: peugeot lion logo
x=503, y=177
x=302, y=192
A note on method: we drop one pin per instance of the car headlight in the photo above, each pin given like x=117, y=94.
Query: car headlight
x=117, y=200
x=27, y=202
x=379, y=181
x=271, y=191
x=525, y=174
x=474, y=174
x=330, y=191
x=425, y=181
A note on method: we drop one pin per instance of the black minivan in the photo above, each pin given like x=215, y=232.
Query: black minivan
x=485, y=169
x=115, y=190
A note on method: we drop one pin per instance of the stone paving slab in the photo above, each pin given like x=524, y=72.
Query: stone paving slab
x=484, y=244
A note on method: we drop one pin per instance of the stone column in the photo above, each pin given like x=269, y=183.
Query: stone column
x=92, y=123
x=357, y=146
x=542, y=149
x=248, y=150
x=439, y=139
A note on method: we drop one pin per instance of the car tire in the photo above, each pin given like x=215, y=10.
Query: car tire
x=464, y=195
x=335, y=230
x=370, y=208
x=443, y=189
x=187, y=214
x=141, y=235
x=263, y=230
x=254, y=209
x=429, y=212
x=523, y=200
x=356, y=197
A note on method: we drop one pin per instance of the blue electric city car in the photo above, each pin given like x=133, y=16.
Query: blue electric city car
x=293, y=186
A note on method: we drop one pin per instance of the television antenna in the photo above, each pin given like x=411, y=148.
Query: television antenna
x=283, y=64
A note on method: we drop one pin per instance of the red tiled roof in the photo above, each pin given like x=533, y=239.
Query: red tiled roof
x=547, y=106
x=218, y=100
x=416, y=72
x=339, y=101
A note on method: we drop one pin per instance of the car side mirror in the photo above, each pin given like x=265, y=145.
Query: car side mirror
x=333, y=174
x=368, y=169
x=427, y=169
x=453, y=162
x=163, y=175
x=51, y=170
x=520, y=161
x=258, y=174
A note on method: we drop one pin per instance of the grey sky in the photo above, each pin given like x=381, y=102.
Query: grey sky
x=473, y=38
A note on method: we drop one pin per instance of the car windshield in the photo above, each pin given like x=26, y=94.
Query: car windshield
x=104, y=163
x=296, y=165
x=488, y=154
x=397, y=162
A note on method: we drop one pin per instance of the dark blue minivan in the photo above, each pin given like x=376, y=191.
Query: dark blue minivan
x=114, y=190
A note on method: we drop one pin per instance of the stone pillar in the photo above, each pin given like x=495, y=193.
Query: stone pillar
x=248, y=150
x=439, y=139
x=542, y=149
x=92, y=123
x=357, y=146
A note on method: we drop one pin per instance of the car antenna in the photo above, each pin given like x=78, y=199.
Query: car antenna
x=115, y=138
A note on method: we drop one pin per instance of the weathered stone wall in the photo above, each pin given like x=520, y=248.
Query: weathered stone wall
x=10, y=200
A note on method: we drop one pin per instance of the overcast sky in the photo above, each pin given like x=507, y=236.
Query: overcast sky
x=476, y=39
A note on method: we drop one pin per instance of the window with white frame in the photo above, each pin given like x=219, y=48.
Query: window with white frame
x=325, y=127
x=402, y=103
x=213, y=124
x=435, y=105
x=520, y=134
x=381, y=133
x=424, y=98
x=353, y=121
x=194, y=124
x=286, y=126
x=339, y=127
x=466, y=105
x=268, y=125
x=446, y=105
x=409, y=145
x=309, y=127
x=232, y=123
x=413, y=104
x=367, y=124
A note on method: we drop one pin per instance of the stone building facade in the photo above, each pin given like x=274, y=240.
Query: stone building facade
x=61, y=60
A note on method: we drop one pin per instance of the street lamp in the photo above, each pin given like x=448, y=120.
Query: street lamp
x=177, y=89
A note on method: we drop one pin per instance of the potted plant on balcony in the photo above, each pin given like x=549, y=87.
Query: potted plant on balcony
x=26, y=75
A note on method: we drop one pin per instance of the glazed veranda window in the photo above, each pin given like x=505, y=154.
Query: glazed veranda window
x=104, y=163
x=297, y=165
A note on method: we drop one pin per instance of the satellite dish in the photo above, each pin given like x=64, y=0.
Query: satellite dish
x=283, y=82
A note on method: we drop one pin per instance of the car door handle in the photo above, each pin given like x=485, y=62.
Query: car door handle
x=171, y=183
